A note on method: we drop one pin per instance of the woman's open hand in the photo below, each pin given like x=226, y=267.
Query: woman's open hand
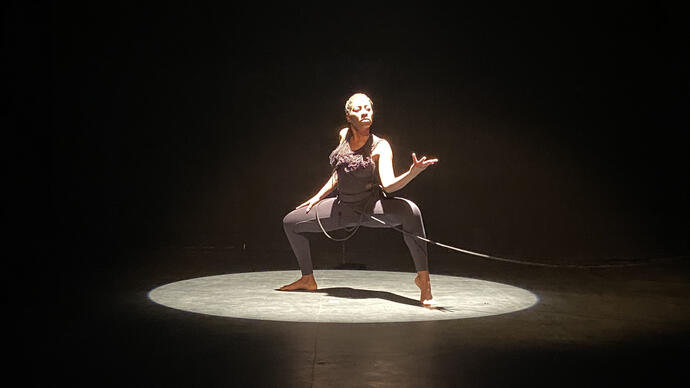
x=419, y=165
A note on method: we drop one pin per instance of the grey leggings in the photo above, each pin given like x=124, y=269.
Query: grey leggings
x=334, y=214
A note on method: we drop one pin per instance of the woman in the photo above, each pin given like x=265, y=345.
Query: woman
x=355, y=161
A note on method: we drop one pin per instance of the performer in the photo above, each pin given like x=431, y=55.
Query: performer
x=355, y=161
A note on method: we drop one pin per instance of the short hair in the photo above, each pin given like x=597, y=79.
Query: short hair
x=348, y=104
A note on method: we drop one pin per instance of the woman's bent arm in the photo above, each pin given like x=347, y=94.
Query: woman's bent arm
x=325, y=190
x=329, y=186
x=389, y=181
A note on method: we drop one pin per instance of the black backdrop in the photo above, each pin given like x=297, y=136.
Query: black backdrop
x=559, y=130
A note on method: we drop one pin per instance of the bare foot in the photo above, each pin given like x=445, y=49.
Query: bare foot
x=306, y=282
x=424, y=283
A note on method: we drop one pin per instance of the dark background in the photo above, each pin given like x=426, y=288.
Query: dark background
x=136, y=128
x=560, y=131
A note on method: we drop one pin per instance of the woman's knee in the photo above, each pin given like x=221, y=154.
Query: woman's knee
x=411, y=208
x=415, y=209
x=291, y=218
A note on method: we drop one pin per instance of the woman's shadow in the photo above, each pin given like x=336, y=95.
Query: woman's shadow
x=356, y=293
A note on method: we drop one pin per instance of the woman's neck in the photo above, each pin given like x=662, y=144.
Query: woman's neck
x=359, y=136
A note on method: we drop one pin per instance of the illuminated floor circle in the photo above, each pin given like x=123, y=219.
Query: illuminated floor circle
x=343, y=296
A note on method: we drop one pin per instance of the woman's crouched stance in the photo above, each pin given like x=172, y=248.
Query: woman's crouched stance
x=356, y=161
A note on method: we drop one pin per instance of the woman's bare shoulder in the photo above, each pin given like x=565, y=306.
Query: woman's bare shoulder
x=380, y=140
x=343, y=133
x=381, y=144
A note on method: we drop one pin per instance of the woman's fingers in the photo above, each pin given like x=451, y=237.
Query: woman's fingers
x=423, y=163
x=311, y=204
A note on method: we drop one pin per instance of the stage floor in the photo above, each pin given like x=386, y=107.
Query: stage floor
x=604, y=327
x=343, y=296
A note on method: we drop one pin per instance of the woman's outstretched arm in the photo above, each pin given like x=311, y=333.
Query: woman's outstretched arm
x=389, y=181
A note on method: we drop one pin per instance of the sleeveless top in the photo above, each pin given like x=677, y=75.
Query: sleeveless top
x=357, y=175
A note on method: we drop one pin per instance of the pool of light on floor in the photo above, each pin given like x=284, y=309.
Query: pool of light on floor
x=343, y=296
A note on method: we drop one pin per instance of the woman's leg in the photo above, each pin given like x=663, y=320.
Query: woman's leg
x=405, y=214
x=298, y=222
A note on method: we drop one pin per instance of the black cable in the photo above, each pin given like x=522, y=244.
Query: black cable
x=522, y=262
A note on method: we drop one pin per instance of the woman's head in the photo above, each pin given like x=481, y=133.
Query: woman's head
x=359, y=111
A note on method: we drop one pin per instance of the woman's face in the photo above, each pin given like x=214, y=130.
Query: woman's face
x=361, y=113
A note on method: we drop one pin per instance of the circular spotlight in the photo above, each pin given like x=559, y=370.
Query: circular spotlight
x=343, y=296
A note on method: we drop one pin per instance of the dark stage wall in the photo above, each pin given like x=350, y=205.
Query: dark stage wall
x=559, y=131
